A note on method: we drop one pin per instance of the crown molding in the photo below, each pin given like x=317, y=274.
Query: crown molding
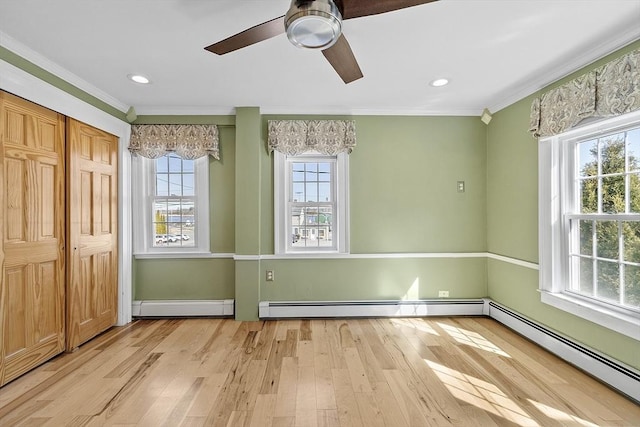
x=41, y=61
x=400, y=111
x=151, y=110
x=558, y=71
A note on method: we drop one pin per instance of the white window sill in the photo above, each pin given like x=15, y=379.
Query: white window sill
x=182, y=255
x=622, y=323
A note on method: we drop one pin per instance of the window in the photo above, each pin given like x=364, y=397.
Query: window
x=590, y=222
x=311, y=203
x=174, y=215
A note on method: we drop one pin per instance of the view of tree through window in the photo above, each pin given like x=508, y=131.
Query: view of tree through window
x=606, y=250
x=174, y=202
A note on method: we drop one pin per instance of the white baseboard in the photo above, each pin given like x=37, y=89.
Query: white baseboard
x=619, y=376
x=300, y=309
x=183, y=308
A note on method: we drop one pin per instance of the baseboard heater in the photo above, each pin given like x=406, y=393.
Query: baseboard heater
x=309, y=309
x=623, y=378
x=183, y=308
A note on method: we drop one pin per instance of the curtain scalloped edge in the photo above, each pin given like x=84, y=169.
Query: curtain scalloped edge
x=610, y=90
x=187, y=141
x=328, y=137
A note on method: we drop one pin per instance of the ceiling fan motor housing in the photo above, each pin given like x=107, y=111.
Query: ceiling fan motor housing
x=313, y=24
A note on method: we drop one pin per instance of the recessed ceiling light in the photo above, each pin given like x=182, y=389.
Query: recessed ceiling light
x=439, y=82
x=139, y=78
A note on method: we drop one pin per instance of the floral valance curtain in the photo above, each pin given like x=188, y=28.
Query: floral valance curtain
x=610, y=90
x=187, y=141
x=330, y=137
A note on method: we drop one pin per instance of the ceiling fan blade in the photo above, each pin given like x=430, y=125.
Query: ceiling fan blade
x=256, y=34
x=357, y=8
x=341, y=58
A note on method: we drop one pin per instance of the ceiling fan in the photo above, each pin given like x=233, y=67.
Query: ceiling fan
x=316, y=24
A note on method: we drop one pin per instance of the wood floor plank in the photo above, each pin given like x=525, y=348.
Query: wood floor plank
x=321, y=372
x=262, y=415
x=208, y=393
x=328, y=418
x=306, y=409
x=287, y=388
x=348, y=411
x=325, y=392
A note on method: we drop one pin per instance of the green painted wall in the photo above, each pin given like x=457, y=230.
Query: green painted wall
x=403, y=199
x=403, y=176
x=373, y=279
x=184, y=279
x=403, y=185
x=249, y=210
x=205, y=278
x=512, y=227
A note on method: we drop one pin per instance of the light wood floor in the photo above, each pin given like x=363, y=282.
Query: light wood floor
x=372, y=372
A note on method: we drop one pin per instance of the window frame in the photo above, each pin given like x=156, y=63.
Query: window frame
x=144, y=174
x=557, y=196
x=283, y=204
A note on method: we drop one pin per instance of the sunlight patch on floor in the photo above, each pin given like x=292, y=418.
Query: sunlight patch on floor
x=563, y=417
x=473, y=339
x=481, y=394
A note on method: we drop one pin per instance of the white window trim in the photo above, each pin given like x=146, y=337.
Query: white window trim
x=143, y=186
x=553, y=247
x=281, y=196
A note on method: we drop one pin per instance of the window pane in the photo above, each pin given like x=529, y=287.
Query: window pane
x=634, y=193
x=608, y=281
x=188, y=185
x=162, y=184
x=585, y=282
x=298, y=192
x=311, y=171
x=607, y=239
x=181, y=223
x=632, y=285
x=160, y=223
x=324, y=192
x=175, y=163
x=298, y=172
x=160, y=208
x=324, y=172
x=162, y=164
x=311, y=227
x=612, y=154
x=188, y=165
x=311, y=192
x=631, y=241
x=325, y=216
x=613, y=194
x=586, y=237
x=588, y=158
x=175, y=185
x=589, y=195
x=633, y=149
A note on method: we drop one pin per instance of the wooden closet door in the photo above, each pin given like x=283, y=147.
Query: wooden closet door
x=32, y=255
x=92, y=292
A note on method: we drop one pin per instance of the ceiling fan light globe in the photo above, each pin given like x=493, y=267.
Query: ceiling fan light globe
x=313, y=24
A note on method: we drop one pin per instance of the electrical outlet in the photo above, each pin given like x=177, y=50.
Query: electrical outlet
x=460, y=186
x=270, y=276
x=443, y=294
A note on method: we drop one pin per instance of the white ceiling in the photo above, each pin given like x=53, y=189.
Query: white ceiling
x=493, y=51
